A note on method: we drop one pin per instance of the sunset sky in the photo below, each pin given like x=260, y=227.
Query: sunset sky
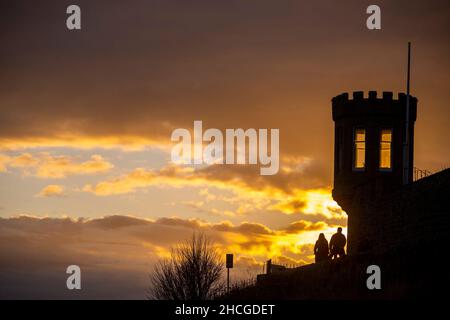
x=86, y=117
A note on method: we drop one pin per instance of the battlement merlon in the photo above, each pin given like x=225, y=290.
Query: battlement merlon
x=373, y=105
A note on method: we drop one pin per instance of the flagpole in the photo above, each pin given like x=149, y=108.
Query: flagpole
x=406, y=148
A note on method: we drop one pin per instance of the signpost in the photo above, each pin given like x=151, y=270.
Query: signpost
x=229, y=265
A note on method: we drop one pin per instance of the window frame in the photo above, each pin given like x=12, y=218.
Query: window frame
x=354, y=149
x=380, y=133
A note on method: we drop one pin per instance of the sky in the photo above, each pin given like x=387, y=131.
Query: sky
x=86, y=118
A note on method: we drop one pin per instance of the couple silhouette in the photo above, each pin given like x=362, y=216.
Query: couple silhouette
x=337, y=244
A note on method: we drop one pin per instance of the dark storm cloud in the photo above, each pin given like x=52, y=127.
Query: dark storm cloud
x=115, y=253
x=145, y=68
x=140, y=68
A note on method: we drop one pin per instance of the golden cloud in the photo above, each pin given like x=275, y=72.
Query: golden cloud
x=3, y=163
x=52, y=190
x=250, y=191
x=44, y=165
x=299, y=226
x=246, y=236
x=120, y=142
x=127, y=247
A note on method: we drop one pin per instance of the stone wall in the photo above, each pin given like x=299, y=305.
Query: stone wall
x=417, y=214
x=409, y=242
x=403, y=276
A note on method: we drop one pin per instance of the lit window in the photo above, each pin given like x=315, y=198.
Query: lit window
x=359, y=149
x=385, y=148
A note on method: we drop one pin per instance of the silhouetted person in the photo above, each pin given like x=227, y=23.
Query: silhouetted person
x=321, y=248
x=337, y=244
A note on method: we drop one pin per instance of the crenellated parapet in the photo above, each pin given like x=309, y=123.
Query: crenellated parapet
x=372, y=105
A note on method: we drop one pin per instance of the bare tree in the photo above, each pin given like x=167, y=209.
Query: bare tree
x=193, y=272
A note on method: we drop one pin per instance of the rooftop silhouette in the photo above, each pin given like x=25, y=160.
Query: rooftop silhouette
x=402, y=228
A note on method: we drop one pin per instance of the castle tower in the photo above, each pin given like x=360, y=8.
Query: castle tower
x=368, y=158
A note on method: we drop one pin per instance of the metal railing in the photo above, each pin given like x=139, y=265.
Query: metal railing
x=222, y=292
x=419, y=173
